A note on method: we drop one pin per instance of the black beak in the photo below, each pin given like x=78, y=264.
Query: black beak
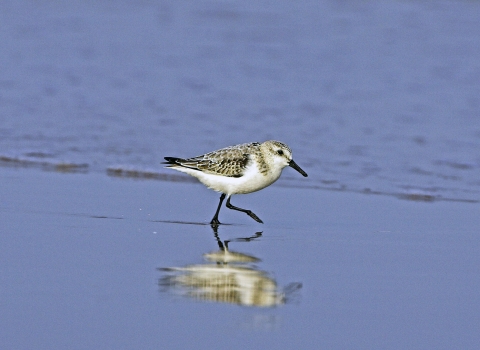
x=297, y=168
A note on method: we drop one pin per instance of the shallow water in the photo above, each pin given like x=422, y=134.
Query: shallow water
x=90, y=261
x=371, y=97
x=378, y=100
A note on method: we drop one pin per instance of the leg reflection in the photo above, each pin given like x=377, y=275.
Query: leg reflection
x=224, y=245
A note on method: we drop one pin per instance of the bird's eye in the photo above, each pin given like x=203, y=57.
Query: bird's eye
x=280, y=152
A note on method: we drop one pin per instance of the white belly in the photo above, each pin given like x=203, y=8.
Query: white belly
x=251, y=181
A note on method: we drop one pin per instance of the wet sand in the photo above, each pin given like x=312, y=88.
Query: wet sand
x=100, y=248
x=96, y=261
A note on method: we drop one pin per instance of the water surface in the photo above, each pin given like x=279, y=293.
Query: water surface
x=376, y=249
x=372, y=97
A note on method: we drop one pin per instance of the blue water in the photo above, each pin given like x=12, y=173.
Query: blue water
x=97, y=262
x=371, y=97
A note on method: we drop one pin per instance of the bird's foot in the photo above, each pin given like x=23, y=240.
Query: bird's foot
x=253, y=216
x=215, y=222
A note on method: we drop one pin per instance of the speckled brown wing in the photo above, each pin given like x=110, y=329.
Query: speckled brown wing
x=230, y=161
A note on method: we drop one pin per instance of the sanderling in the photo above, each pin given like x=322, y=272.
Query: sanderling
x=239, y=169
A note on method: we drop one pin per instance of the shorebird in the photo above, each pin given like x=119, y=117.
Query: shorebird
x=239, y=169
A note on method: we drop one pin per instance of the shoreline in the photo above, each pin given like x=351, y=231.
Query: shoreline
x=148, y=174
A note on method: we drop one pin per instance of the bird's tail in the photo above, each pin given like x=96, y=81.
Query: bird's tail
x=173, y=160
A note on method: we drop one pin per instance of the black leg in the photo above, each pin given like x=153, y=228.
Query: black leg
x=248, y=212
x=215, y=218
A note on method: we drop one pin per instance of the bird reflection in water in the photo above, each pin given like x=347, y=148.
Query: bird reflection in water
x=227, y=277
